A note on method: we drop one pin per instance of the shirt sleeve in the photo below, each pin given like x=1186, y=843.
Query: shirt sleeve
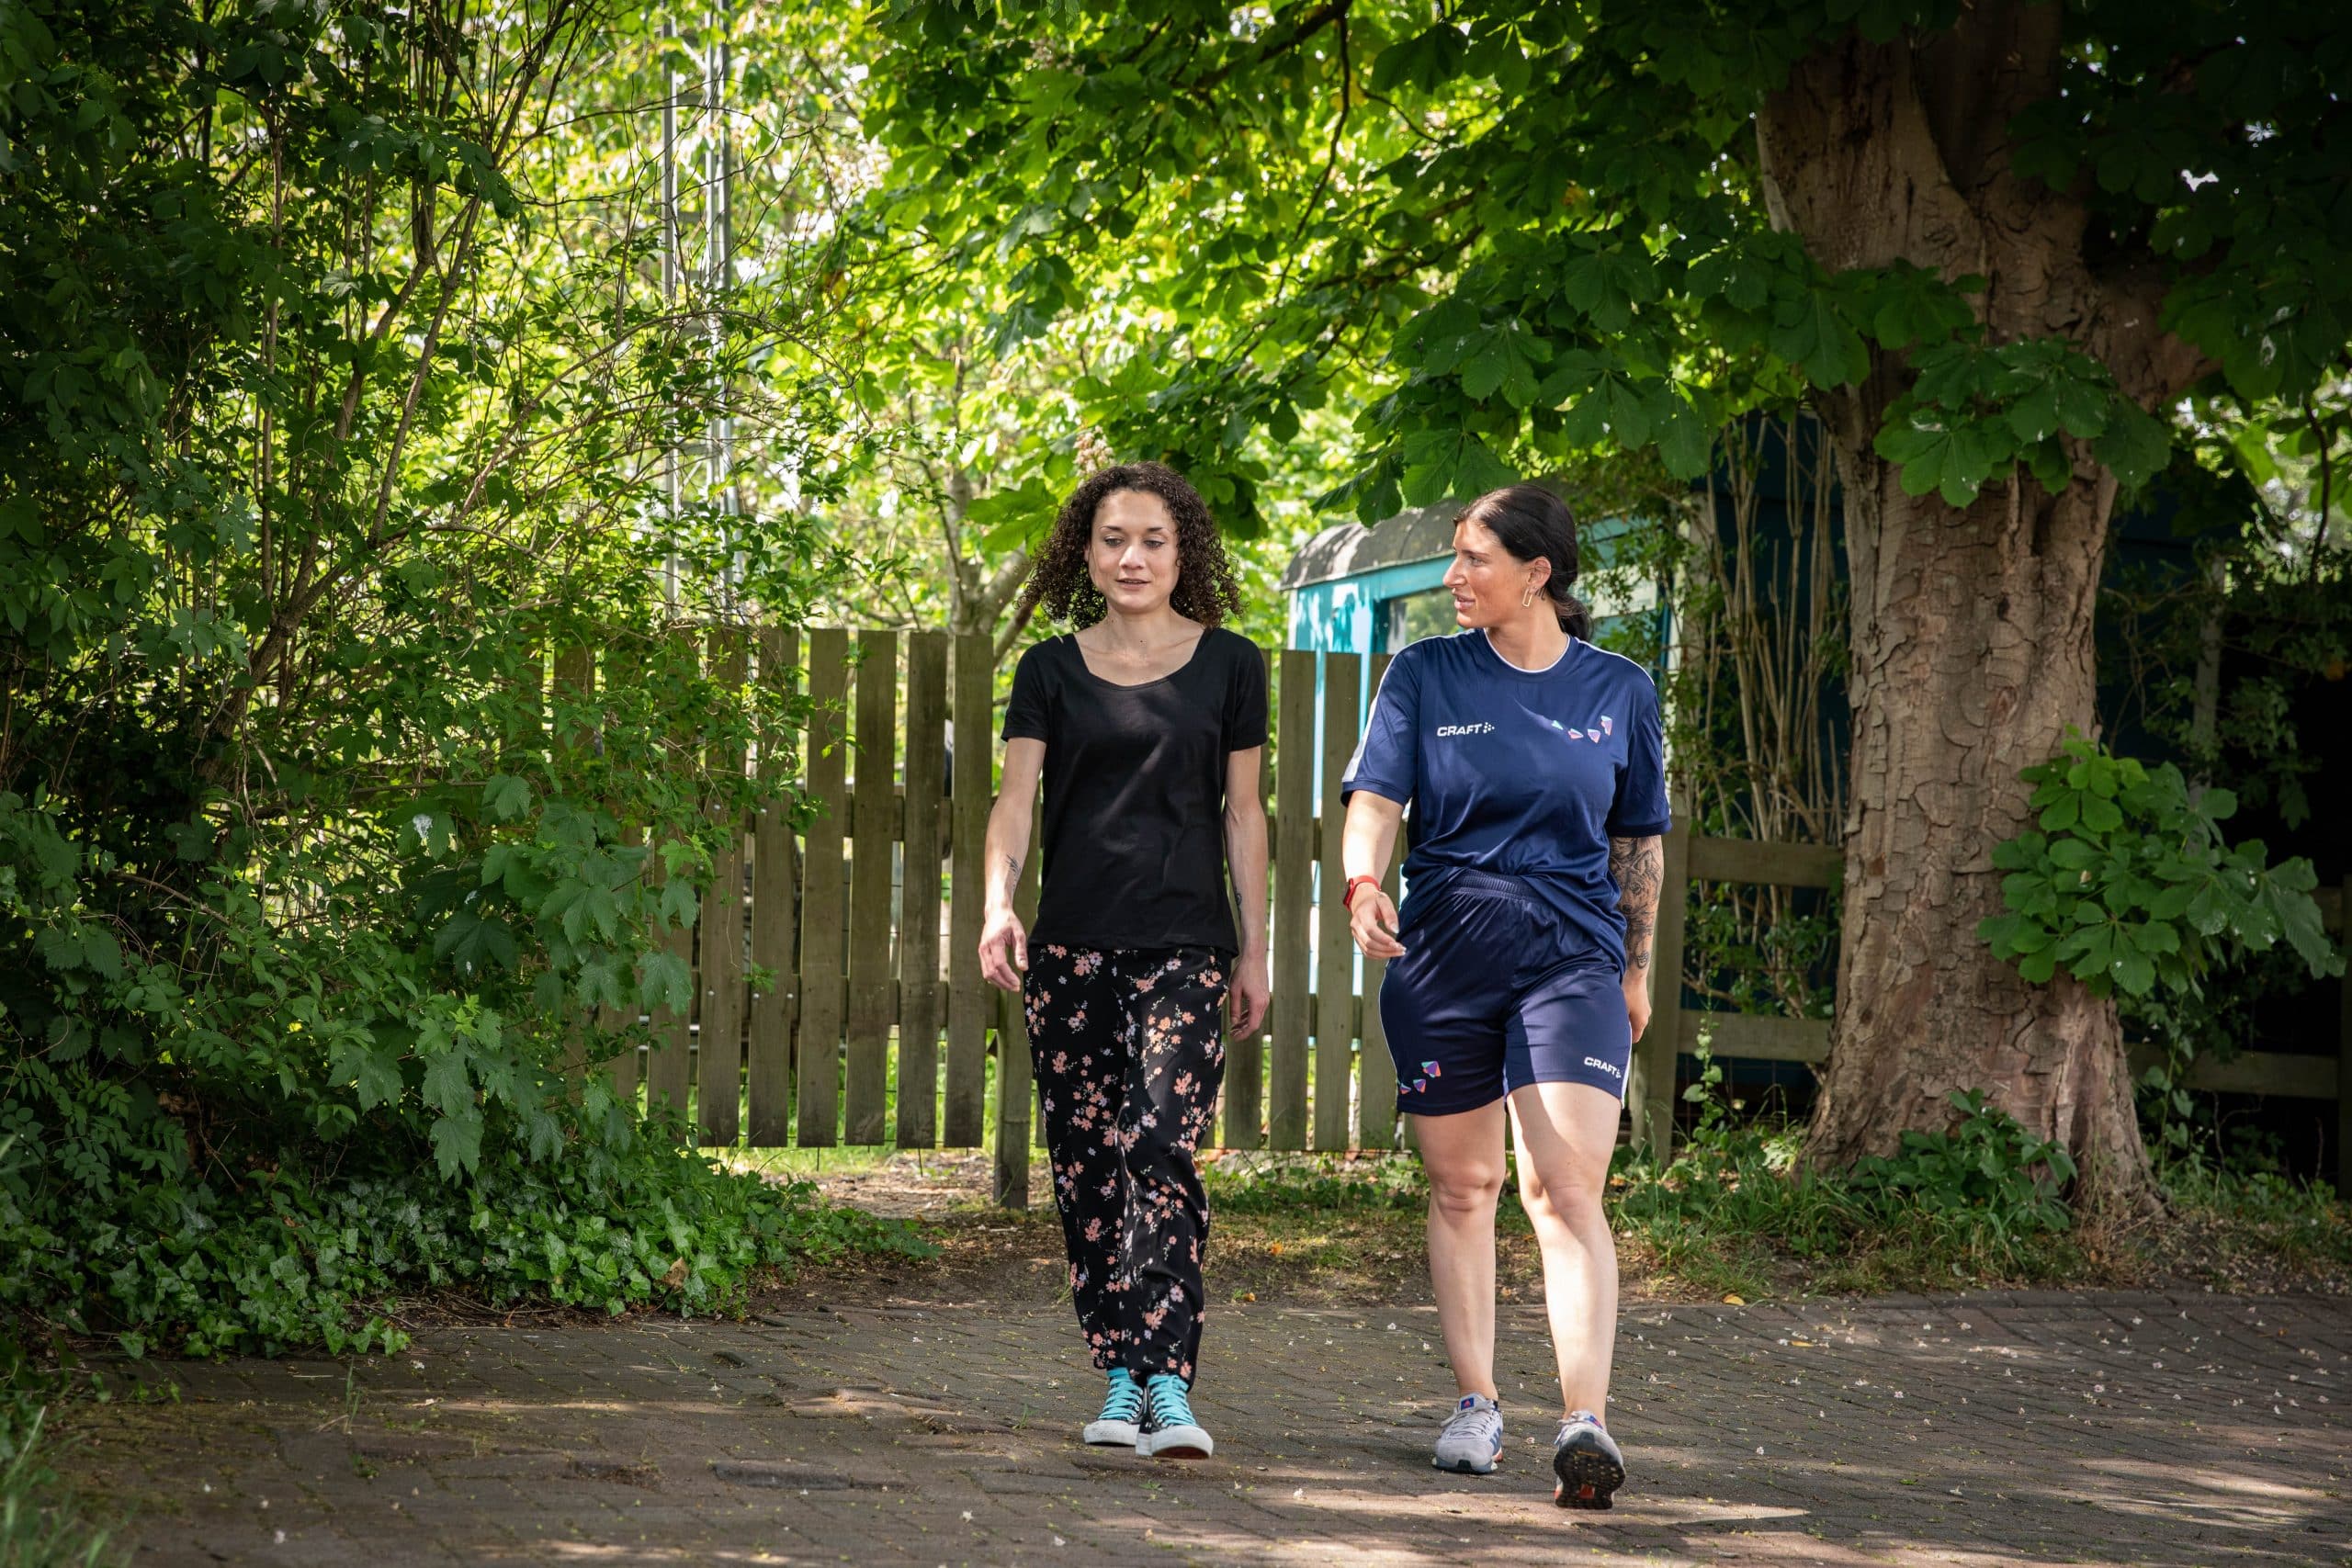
x=1245, y=699
x=1639, y=809
x=1030, y=706
x=1387, y=759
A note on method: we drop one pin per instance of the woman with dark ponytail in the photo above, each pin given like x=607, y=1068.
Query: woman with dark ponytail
x=1518, y=976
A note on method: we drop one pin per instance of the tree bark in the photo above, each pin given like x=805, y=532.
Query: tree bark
x=1972, y=655
x=1971, y=626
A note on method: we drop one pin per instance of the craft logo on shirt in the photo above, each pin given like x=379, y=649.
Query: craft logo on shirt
x=1444, y=730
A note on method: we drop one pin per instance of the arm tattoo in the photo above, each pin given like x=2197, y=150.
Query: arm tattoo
x=1012, y=874
x=1638, y=867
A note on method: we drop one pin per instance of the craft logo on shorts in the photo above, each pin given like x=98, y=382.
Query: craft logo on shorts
x=1444, y=730
x=1611, y=1069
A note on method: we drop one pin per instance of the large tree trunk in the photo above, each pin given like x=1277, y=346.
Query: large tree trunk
x=1972, y=627
x=1971, y=648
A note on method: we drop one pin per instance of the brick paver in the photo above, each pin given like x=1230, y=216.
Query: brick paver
x=1992, y=1430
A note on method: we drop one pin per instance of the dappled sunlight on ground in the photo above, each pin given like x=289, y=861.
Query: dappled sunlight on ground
x=1987, y=1429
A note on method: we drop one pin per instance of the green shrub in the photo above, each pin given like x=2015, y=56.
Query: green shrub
x=1975, y=1203
x=2127, y=885
x=312, y=461
x=1986, y=1166
x=295, y=1258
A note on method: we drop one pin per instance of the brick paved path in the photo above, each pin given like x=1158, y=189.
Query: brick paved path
x=1983, y=1429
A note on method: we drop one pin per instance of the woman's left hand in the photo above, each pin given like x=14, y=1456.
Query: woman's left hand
x=1249, y=994
x=1637, y=999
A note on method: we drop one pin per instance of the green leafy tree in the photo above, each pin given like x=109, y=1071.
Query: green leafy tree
x=339, y=389
x=1993, y=245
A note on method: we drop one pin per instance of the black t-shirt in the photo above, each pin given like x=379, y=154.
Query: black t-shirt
x=1133, y=830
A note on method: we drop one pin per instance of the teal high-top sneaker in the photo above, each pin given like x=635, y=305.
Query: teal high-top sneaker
x=1122, y=1412
x=1169, y=1430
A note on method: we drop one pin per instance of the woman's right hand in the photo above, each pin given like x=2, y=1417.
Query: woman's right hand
x=1372, y=921
x=1004, y=950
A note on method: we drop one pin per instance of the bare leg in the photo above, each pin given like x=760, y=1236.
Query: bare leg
x=1464, y=1156
x=1564, y=1133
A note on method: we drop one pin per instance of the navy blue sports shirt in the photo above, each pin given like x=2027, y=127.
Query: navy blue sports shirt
x=1517, y=772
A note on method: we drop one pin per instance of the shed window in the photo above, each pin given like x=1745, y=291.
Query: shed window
x=1413, y=617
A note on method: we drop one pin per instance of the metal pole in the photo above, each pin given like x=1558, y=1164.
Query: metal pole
x=670, y=477
x=721, y=261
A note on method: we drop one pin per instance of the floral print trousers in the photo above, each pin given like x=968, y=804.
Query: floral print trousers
x=1129, y=1046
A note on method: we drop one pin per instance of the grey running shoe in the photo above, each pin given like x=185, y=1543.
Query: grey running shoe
x=1169, y=1430
x=1472, y=1439
x=1586, y=1459
x=1122, y=1412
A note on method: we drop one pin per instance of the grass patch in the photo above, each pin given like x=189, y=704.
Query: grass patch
x=2251, y=1230
x=1979, y=1205
x=1249, y=1182
x=1734, y=1213
x=41, y=1525
x=797, y=1164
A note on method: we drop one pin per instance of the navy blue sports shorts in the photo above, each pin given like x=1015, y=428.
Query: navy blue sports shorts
x=1496, y=989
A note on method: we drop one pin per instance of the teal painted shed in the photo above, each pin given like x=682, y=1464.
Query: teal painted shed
x=1354, y=589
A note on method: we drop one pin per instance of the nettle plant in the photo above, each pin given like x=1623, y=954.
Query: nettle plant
x=2129, y=886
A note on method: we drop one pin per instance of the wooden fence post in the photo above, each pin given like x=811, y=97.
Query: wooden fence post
x=1650, y=1095
x=1014, y=1081
x=817, y=1074
x=918, y=891
x=575, y=687
x=622, y=664
x=872, y=973
x=1245, y=1059
x=719, y=1052
x=2343, y=1047
x=668, y=1067
x=1335, y=951
x=969, y=1003
x=1294, y=900
x=775, y=915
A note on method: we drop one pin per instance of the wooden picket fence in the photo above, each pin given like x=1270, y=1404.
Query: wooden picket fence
x=858, y=989
x=864, y=976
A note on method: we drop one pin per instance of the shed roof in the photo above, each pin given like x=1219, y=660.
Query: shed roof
x=1351, y=549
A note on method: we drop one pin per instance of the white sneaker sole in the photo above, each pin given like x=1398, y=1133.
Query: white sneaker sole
x=1175, y=1442
x=1464, y=1466
x=1112, y=1434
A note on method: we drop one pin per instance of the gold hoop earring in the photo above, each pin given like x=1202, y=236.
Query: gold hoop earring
x=1527, y=599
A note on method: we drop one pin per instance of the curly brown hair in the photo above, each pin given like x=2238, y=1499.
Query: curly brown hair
x=1059, y=584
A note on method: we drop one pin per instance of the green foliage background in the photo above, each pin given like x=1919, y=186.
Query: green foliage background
x=337, y=373
x=335, y=383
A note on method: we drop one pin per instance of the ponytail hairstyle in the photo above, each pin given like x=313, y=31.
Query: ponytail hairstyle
x=1532, y=523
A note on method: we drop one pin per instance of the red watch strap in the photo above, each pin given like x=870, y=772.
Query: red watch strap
x=1348, y=898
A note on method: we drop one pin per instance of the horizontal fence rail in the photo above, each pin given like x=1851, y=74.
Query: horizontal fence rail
x=2295, y=1075
x=869, y=1021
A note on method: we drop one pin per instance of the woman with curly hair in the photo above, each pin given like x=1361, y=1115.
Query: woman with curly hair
x=1147, y=722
